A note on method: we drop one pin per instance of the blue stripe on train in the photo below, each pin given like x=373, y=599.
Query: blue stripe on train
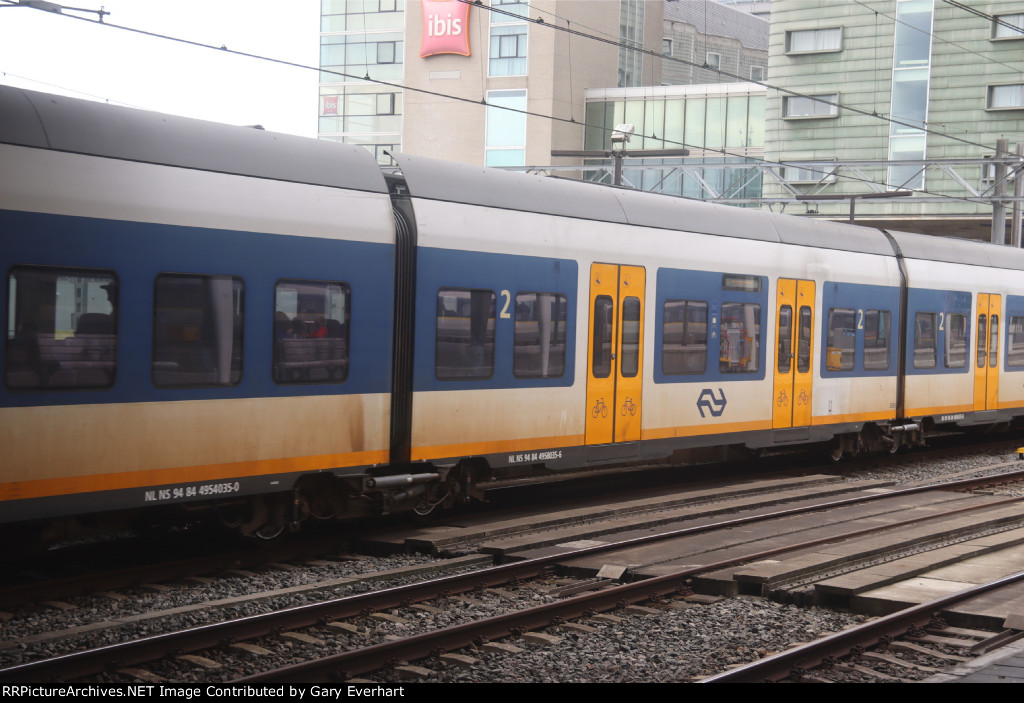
x=138, y=252
x=863, y=299
x=933, y=332
x=445, y=268
x=706, y=287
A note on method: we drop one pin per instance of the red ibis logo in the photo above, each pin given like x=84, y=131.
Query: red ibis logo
x=445, y=28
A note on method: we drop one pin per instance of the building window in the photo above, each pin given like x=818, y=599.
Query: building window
x=713, y=61
x=814, y=106
x=515, y=8
x=378, y=55
x=1006, y=97
x=911, y=74
x=666, y=47
x=757, y=73
x=910, y=147
x=808, y=41
x=386, y=52
x=382, y=152
x=385, y=103
x=1008, y=26
x=506, y=128
x=631, y=38
x=988, y=173
x=508, y=45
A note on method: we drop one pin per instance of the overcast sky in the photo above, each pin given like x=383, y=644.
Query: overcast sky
x=58, y=54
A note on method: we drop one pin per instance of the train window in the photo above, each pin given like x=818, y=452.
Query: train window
x=993, y=345
x=841, y=347
x=925, y=346
x=197, y=330
x=956, y=341
x=601, y=362
x=464, y=347
x=803, y=348
x=877, y=326
x=61, y=329
x=1015, y=342
x=311, y=331
x=684, y=338
x=982, y=338
x=743, y=284
x=740, y=338
x=785, y=354
x=629, y=354
x=539, y=346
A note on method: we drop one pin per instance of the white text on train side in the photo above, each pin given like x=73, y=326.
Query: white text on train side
x=534, y=456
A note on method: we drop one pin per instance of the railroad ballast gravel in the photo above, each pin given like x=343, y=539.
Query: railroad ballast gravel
x=672, y=646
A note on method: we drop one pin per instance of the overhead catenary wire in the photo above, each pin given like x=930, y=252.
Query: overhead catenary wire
x=983, y=15
x=723, y=151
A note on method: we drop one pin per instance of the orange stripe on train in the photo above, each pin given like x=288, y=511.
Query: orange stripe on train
x=43, y=488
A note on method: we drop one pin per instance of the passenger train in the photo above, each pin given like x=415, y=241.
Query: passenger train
x=269, y=329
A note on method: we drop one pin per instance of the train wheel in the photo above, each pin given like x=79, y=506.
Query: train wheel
x=266, y=520
x=232, y=514
x=895, y=446
x=836, y=451
x=268, y=532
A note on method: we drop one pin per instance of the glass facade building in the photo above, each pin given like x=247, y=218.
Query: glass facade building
x=362, y=39
x=909, y=82
x=722, y=125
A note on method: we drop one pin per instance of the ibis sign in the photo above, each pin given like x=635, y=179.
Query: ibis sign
x=445, y=28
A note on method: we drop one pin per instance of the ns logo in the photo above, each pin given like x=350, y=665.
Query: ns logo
x=710, y=402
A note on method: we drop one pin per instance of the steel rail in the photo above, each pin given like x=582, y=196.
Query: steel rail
x=779, y=666
x=361, y=661
x=147, y=649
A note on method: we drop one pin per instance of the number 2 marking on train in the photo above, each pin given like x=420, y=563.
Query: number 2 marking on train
x=504, y=308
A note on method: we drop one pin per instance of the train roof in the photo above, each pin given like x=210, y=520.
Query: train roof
x=41, y=120
x=476, y=185
x=958, y=251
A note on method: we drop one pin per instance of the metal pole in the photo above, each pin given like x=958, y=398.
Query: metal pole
x=1018, y=191
x=998, y=206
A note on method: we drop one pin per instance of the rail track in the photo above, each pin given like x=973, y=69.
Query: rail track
x=826, y=652
x=345, y=617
